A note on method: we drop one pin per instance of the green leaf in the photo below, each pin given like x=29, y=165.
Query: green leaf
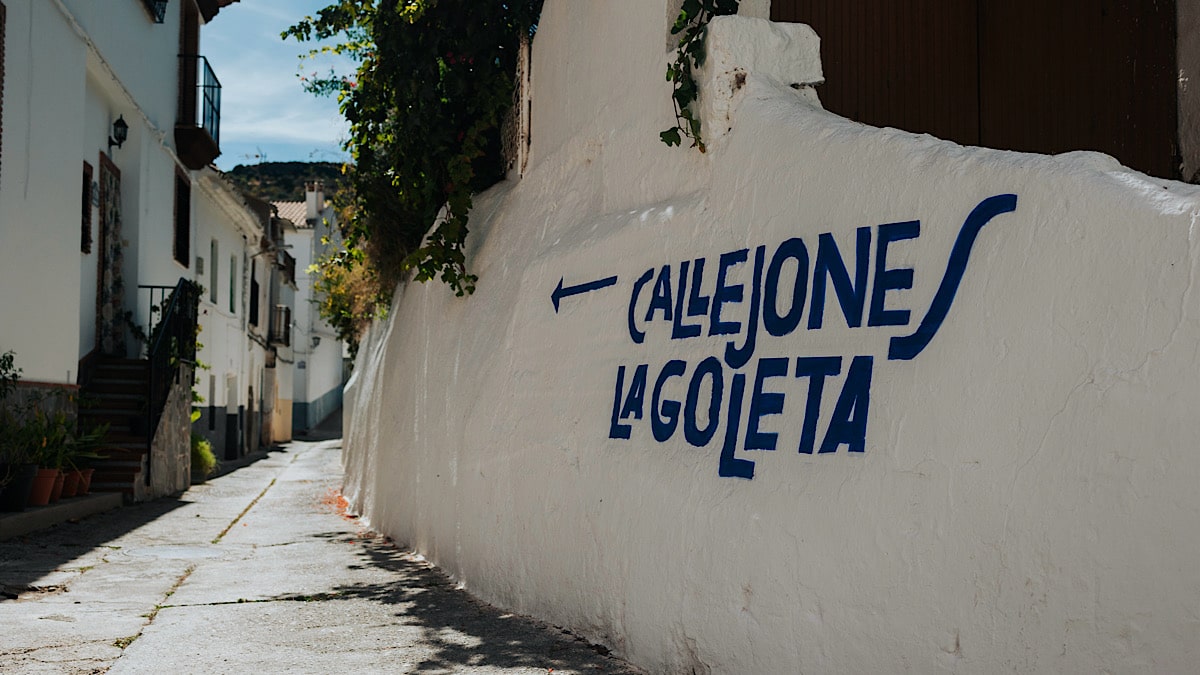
x=671, y=136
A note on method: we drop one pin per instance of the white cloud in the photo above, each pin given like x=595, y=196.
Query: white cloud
x=262, y=99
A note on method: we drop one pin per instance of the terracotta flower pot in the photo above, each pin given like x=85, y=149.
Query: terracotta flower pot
x=43, y=485
x=56, y=491
x=85, y=481
x=71, y=480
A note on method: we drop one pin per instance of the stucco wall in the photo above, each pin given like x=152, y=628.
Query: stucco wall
x=1011, y=468
x=72, y=68
x=39, y=229
x=113, y=27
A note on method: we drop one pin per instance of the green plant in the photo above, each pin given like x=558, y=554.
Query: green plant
x=10, y=374
x=691, y=26
x=349, y=295
x=425, y=106
x=204, y=462
x=83, y=445
x=46, y=438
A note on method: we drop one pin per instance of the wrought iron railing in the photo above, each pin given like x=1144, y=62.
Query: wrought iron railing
x=171, y=344
x=207, y=111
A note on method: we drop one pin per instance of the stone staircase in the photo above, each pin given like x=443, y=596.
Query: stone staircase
x=117, y=396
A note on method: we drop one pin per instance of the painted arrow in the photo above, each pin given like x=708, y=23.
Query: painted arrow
x=560, y=292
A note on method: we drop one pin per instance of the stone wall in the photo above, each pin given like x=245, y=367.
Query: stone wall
x=171, y=452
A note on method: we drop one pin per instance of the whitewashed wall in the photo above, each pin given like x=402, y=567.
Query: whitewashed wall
x=316, y=387
x=72, y=68
x=39, y=229
x=220, y=215
x=126, y=35
x=1022, y=495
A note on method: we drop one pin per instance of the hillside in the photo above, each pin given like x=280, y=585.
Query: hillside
x=284, y=181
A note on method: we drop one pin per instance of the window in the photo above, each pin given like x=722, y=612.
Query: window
x=212, y=402
x=157, y=9
x=232, y=283
x=281, y=326
x=254, y=293
x=183, y=219
x=212, y=272
x=85, y=224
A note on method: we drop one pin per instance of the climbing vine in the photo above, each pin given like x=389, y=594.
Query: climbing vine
x=425, y=106
x=690, y=26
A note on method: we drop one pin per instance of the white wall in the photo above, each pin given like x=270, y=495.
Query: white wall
x=73, y=68
x=227, y=349
x=1025, y=498
x=316, y=386
x=42, y=161
x=126, y=35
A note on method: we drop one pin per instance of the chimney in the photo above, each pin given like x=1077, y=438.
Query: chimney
x=314, y=199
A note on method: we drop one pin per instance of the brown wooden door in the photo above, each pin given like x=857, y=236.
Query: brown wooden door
x=1081, y=75
x=910, y=65
x=1026, y=75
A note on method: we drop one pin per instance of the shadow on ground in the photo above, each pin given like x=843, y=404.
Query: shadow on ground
x=446, y=615
x=25, y=560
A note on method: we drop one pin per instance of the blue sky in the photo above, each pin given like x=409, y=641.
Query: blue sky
x=265, y=113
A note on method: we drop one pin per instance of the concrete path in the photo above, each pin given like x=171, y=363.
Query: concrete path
x=256, y=571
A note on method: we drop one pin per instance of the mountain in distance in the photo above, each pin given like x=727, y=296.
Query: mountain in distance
x=284, y=181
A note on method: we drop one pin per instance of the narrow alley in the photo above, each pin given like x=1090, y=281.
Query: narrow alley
x=258, y=570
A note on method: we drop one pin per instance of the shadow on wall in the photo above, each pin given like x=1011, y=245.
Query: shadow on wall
x=445, y=615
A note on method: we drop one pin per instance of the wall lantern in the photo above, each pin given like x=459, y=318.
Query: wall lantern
x=316, y=340
x=120, y=132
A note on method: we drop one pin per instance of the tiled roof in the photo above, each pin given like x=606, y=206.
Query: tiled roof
x=293, y=211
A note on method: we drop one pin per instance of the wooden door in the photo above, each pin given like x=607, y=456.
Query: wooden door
x=1025, y=75
x=110, y=289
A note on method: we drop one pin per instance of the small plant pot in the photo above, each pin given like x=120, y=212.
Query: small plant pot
x=16, y=494
x=71, y=480
x=85, y=481
x=56, y=491
x=43, y=485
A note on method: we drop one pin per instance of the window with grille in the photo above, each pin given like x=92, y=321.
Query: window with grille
x=183, y=219
x=85, y=224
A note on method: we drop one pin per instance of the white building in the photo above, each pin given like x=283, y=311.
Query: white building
x=87, y=219
x=233, y=265
x=318, y=369
x=827, y=398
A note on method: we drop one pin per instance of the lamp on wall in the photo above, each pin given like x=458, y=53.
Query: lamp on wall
x=316, y=340
x=120, y=132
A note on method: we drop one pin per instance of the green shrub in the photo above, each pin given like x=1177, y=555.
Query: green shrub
x=204, y=462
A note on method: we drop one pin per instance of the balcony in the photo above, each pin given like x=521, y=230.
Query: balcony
x=198, y=129
x=281, y=326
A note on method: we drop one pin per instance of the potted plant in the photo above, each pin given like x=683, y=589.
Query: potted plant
x=46, y=436
x=17, y=468
x=81, y=449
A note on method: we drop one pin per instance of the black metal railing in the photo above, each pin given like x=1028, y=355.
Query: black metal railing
x=171, y=344
x=207, y=97
x=158, y=297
